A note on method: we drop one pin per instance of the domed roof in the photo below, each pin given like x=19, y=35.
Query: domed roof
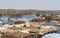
x=52, y=35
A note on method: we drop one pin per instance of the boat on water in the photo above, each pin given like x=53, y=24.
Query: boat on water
x=1, y=23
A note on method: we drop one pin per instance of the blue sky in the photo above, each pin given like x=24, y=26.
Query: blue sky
x=30, y=4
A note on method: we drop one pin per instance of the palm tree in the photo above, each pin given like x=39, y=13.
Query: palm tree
x=37, y=14
x=48, y=18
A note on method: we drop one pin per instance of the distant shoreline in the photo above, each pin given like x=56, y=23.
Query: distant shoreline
x=13, y=12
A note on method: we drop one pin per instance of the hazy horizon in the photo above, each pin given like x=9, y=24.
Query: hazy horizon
x=30, y=4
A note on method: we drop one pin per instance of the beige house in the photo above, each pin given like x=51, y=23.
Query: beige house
x=22, y=25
